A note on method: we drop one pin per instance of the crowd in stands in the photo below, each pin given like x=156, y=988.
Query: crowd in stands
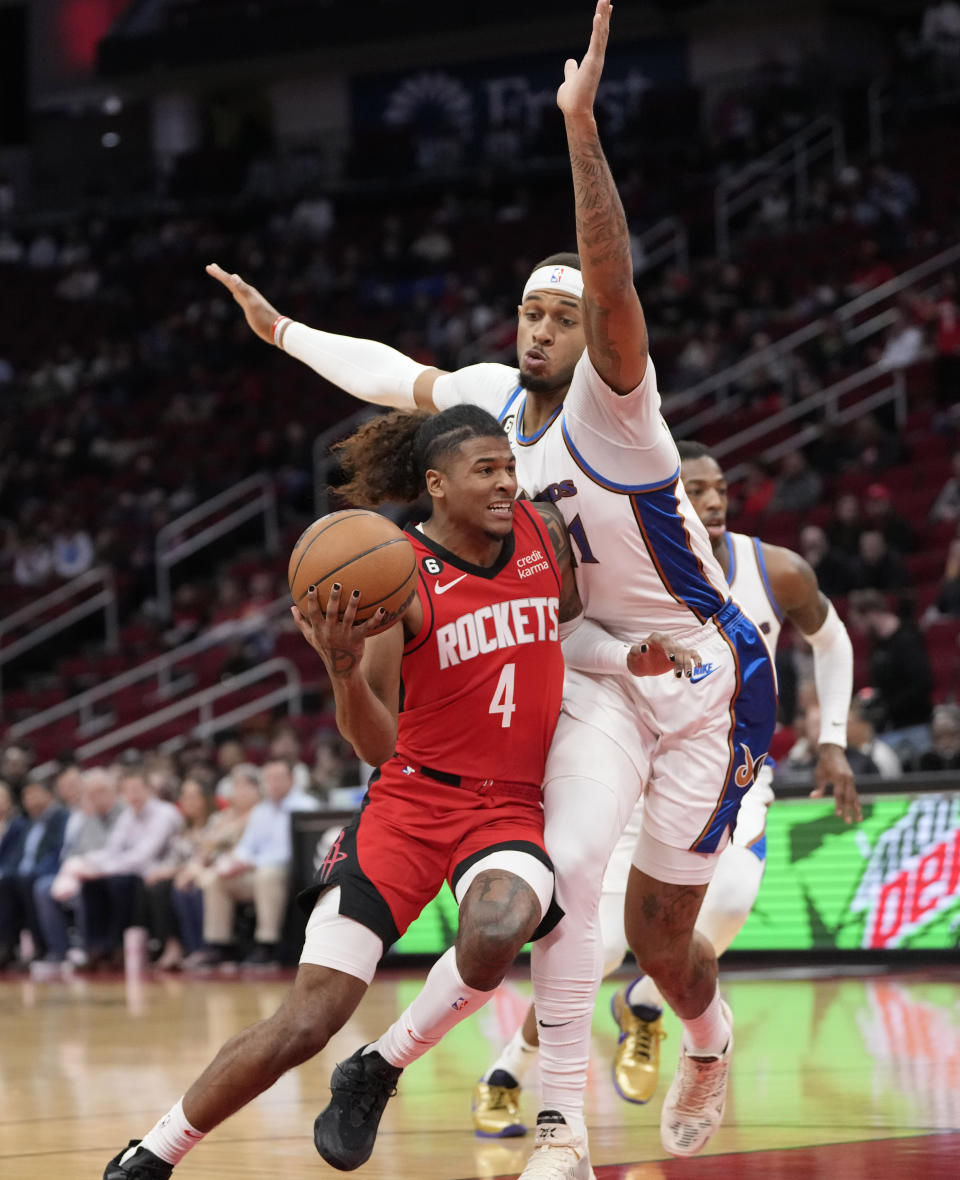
x=169, y=845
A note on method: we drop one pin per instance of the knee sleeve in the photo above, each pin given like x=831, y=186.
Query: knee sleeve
x=730, y=896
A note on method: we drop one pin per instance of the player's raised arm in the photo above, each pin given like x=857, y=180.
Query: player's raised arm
x=366, y=369
x=613, y=318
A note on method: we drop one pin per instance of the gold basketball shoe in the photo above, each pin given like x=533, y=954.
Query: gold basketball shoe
x=496, y=1107
x=636, y=1063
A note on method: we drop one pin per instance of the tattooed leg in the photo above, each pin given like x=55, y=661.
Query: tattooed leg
x=659, y=922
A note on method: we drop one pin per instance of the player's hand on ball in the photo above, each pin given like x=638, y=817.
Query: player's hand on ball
x=658, y=654
x=260, y=314
x=334, y=633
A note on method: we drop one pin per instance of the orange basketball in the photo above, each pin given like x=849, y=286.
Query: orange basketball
x=361, y=550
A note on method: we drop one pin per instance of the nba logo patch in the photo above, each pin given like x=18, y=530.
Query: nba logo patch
x=459, y=1003
x=557, y=276
x=407, y=770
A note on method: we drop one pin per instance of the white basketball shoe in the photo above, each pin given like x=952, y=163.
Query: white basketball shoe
x=559, y=1154
x=693, y=1107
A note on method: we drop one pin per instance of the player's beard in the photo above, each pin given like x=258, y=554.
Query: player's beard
x=541, y=384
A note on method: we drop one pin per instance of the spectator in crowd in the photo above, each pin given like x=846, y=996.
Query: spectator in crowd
x=72, y=551
x=946, y=507
x=862, y=734
x=880, y=514
x=871, y=270
x=197, y=804
x=877, y=567
x=948, y=600
x=285, y=745
x=802, y=757
x=903, y=343
x=33, y=564
x=257, y=870
x=947, y=343
x=944, y=752
x=846, y=525
x=14, y=768
x=230, y=753
x=332, y=767
x=834, y=571
x=57, y=897
x=875, y=448
x=755, y=490
x=36, y=854
x=899, y=671
x=11, y=824
x=112, y=877
x=798, y=486
x=219, y=838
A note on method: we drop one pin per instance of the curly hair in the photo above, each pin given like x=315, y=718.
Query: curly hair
x=388, y=457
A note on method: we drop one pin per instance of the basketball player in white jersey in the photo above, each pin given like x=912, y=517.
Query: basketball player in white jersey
x=770, y=584
x=583, y=415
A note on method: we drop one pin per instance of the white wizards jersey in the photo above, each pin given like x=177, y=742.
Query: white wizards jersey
x=610, y=465
x=750, y=587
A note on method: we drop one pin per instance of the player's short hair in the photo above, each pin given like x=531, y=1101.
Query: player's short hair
x=689, y=448
x=565, y=258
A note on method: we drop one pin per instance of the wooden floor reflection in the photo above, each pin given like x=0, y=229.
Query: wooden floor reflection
x=852, y=1076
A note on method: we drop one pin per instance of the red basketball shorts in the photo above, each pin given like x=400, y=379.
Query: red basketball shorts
x=413, y=833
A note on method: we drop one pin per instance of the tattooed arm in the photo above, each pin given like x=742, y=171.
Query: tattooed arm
x=613, y=318
x=570, y=606
x=364, y=672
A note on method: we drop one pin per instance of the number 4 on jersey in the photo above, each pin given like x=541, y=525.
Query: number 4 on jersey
x=502, y=701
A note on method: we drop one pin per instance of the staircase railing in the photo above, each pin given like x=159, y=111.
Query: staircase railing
x=723, y=383
x=665, y=241
x=75, y=600
x=201, y=703
x=162, y=669
x=790, y=162
x=244, y=501
x=828, y=400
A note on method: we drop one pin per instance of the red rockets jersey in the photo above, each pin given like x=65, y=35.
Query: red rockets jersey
x=482, y=681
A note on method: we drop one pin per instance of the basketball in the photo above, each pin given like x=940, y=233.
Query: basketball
x=361, y=550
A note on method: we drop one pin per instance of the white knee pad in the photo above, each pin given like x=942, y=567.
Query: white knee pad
x=730, y=896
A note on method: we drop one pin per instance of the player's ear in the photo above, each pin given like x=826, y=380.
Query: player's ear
x=435, y=484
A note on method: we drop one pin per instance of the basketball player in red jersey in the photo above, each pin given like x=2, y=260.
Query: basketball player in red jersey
x=477, y=665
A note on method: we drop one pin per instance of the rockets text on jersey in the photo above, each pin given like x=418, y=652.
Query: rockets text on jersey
x=482, y=680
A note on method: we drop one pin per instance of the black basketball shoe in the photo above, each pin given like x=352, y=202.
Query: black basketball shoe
x=346, y=1131
x=142, y=1165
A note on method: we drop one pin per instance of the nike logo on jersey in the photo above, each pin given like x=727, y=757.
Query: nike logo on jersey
x=702, y=672
x=438, y=589
x=562, y=1024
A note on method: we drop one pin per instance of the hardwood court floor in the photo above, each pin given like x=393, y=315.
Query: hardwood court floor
x=852, y=1076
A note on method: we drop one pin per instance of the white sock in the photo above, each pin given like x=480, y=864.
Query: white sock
x=516, y=1058
x=644, y=991
x=171, y=1138
x=444, y=1001
x=707, y=1035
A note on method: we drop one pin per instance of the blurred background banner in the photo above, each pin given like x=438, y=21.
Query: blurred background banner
x=892, y=883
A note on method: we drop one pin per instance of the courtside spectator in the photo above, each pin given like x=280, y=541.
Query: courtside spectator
x=944, y=752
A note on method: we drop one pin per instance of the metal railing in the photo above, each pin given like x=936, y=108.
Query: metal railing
x=790, y=162
x=202, y=703
x=162, y=668
x=829, y=401
x=172, y=545
x=665, y=241
x=72, y=603
x=723, y=382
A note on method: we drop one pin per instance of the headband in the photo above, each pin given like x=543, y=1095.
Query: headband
x=555, y=278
